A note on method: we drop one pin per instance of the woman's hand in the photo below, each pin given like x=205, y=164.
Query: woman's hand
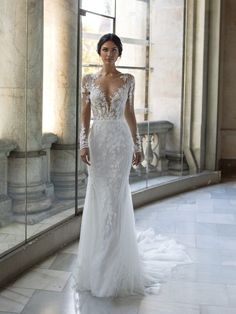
x=136, y=158
x=84, y=154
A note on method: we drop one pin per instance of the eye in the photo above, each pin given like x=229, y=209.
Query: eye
x=104, y=49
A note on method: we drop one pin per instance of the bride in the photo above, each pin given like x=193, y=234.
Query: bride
x=114, y=259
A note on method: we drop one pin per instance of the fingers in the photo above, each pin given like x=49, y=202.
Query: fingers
x=85, y=160
x=136, y=159
x=85, y=157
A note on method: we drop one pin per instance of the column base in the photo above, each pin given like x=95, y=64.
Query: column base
x=63, y=173
x=5, y=210
x=56, y=208
x=177, y=164
x=34, y=202
x=162, y=165
x=64, y=184
x=35, y=195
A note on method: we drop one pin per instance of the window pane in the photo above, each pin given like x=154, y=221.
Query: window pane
x=139, y=96
x=131, y=21
x=96, y=24
x=106, y=7
x=89, y=53
x=165, y=87
x=133, y=55
x=59, y=117
x=13, y=148
x=93, y=27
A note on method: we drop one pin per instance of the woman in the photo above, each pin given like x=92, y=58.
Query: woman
x=112, y=260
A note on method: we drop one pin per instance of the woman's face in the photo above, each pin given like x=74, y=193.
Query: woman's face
x=109, y=52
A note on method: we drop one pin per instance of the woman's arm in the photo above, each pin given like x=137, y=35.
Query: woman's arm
x=131, y=120
x=85, y=120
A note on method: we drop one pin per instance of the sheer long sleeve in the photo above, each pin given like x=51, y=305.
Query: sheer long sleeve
x=85, y=112
x=130, y=116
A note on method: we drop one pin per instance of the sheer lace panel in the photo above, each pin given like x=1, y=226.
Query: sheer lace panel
x=107, y=104
x=85, y=89
x=84, y=131
x=83, y=138
x=131, y=92
x=115, y=86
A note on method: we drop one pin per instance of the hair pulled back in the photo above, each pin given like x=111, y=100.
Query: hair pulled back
x=110, y=37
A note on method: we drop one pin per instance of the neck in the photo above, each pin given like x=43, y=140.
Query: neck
x=108, y=69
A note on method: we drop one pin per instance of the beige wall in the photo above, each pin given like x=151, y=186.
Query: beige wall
x=227, y=147
x=166, y=61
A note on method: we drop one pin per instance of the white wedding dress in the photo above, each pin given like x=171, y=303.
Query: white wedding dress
x=113, y=258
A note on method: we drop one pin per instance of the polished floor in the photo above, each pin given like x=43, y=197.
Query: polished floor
x=204, y=220
x=13, y=234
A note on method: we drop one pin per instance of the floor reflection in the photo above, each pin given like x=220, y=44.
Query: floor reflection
x=85, y=303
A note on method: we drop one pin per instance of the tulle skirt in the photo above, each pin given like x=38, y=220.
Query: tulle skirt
x=115, y=259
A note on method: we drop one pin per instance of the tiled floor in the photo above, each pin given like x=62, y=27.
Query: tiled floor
x=203, y=220
x=14, y=233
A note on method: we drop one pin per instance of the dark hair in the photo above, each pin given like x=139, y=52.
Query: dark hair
x=110, y=37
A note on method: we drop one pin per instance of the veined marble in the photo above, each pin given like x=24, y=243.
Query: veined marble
x=21, y=79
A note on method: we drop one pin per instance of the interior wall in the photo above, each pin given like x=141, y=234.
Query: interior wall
x=227, y=138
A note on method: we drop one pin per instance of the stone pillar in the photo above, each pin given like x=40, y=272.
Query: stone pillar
x=200, y=110
x=5, y=200
x=60, y=88
x=47, y=141
x=21, y=76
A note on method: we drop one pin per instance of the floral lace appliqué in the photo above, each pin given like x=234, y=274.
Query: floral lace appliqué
x=112, y=108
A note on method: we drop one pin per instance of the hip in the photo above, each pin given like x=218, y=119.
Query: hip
x=108, y=131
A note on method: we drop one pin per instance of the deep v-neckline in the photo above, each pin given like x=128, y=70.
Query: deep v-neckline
x=109, y=100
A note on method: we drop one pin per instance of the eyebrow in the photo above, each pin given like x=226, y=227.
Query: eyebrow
x=111, y=47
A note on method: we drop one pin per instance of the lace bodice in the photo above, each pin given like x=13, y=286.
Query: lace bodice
x=106, y=106
x=113, y=107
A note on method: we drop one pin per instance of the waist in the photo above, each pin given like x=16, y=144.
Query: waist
x=108, y=120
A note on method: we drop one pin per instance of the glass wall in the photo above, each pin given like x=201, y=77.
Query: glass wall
x=59, y=108
x=38, y=88
x=20, y=132
x=41, y=184
x=153, y=52
x=165, y=90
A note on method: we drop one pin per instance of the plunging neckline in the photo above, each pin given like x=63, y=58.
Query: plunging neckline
x=109, y=100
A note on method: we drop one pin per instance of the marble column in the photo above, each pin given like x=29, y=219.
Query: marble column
x=201, y=97
x=60, y=88
x=47, y=141
x=21, y=64
x=5, y=201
